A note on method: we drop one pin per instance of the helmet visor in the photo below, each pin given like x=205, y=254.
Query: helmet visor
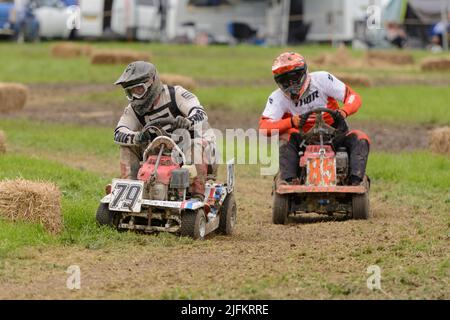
x=292, y=80
x=137, y=91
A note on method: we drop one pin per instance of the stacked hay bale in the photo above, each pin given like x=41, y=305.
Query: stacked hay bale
x=176, y=79
x=37, y=202
x=2, y=142
x=380, y=58
x=118, y=56
x=70, y=50
x=435, y=64
x=355, y=80
x=13, y=97
x=440, y=140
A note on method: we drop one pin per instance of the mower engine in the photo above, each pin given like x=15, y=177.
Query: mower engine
x=165, y=181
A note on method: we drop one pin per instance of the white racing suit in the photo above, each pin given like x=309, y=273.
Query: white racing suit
x=174, y=101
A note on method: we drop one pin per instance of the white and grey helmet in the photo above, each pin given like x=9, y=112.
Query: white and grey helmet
x=142, y=85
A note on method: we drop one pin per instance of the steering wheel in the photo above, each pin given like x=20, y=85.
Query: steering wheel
x=156, y=126
x=320, y=126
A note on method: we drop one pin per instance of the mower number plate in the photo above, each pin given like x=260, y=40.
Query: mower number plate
x=126, y=195
x=321, y=172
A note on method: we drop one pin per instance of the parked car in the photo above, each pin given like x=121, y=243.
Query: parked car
x=18, y=22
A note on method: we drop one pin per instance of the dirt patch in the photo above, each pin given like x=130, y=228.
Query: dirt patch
x=394, y=137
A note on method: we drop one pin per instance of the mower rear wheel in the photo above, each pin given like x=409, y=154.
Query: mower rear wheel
x=228, y=215
x=193, y=224
x=280, y=208
x=360, y=203
x=106, y=217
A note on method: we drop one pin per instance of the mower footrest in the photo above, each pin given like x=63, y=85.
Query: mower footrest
x=286, y=189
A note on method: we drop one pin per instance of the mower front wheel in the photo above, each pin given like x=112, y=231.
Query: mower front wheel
x=193, y=224
x=105, y=217
x=280, y=208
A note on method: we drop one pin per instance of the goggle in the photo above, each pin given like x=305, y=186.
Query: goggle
x=291, y=79
x=137, y=91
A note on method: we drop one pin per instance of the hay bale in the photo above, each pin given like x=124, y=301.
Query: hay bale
x=118, y=56
x=2, y=142
x=341, y=58
x=440, y=140
x=375, y=58
x=37, y=202
x=355, y=80
x=70, y=50
x=13, y=96
x=435, y=64
x=176, y=79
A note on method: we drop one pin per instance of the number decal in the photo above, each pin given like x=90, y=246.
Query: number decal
x=321, y=172
x=126, y=196
x=121, y=190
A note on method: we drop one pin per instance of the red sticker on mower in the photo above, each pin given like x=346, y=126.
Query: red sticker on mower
x=321, y=172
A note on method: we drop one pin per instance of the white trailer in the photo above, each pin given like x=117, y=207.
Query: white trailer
x=92, y=18
x=333, y=20
x=126, y=19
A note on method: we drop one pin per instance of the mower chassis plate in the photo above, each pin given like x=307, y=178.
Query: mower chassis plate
x=287, y=189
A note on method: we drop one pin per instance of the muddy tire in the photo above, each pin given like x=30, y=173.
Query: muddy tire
x=104, y=216
x=193, y=224
x=280, y=208
x=228, y=215
x=360, y=203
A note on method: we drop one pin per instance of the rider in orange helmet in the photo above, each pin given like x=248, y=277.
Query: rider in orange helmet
x=300, y=92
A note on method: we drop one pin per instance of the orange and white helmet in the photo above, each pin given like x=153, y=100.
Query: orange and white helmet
x=291, y=75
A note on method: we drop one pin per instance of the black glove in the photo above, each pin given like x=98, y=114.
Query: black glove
x=182, y=123
x=143, y=137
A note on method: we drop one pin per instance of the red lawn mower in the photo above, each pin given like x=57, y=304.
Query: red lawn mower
x=323, y=175
x=159, y=200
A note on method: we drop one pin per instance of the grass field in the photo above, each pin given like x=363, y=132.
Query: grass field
x=311, y=257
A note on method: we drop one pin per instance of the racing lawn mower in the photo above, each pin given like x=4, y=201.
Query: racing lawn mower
x=323, y=185
x=159, y=201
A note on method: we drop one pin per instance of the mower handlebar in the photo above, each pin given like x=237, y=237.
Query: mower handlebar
x=306, y=115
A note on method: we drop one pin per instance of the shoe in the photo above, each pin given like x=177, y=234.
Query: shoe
x=355, y=181
x=290, y=182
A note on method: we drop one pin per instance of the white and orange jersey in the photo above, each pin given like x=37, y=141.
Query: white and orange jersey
x=325, y=90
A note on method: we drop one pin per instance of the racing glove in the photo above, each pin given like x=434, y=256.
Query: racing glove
x=182, y=123
x=142, y=137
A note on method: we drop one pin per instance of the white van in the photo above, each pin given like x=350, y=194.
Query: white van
x=124, y=19
x=137, y=19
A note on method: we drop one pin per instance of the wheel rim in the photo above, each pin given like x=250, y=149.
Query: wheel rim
x=202, y=226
